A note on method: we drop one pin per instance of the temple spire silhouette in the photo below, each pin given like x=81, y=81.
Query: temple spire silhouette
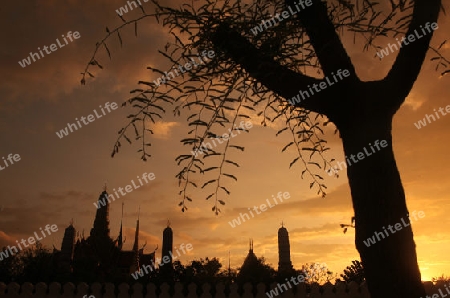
x=120, y=237
x=136, y=244
x=101, y=221
x=167, y=248
x=284, y=250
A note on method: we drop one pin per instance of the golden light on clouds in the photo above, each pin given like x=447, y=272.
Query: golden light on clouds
x=414, y=101
x=41, y=98
x=162, y=130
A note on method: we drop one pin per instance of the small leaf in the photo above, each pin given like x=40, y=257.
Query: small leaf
x=107, y=50
x=294, y=161
x=285, y=147
x=226, y=190
x=303, y=172
x=315, y=163
x=210, y=169
x=121, y=18
x=237, y=147
x=120, y=38
x=280, y=131
x=142, y=8
x=232, y=162
x=126, y=138
x=229, y=175
x=210, y=181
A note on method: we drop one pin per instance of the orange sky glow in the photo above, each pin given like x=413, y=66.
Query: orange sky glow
x=59, y=179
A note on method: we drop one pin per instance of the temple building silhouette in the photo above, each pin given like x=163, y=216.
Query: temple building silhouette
x=101, y=258
x=252, y=270
x=167, y=248
x=284, y=251
x=98, y=256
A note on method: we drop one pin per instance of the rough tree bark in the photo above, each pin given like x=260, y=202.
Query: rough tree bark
x=363, y=112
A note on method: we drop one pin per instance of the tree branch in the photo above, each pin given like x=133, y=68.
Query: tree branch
x=408, y=63
x=324, y=38
x=277, y=78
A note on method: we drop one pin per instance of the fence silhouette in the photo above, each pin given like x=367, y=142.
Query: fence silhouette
x=109, y=290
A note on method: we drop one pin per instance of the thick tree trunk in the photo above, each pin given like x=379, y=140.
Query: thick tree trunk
x=379, y=201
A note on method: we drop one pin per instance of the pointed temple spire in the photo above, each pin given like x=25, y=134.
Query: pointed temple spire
x=229, y=265
x=120, y=238
x=136, y=243
x=167, y=248
x=284, y=251
x=101, y=221
x=136, y=237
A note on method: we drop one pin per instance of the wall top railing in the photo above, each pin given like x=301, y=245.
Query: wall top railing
x=179, y=290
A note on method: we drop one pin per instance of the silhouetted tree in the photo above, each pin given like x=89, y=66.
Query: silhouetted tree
x=441, y=278
x=178, y=271
x=317, y=273
x=354, y=272
x=33, y=264
x=38, y=264
x=202, y=271
x=262, y=71
x=10, y=267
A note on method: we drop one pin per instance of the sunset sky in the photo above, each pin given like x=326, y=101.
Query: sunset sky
x=57, y=180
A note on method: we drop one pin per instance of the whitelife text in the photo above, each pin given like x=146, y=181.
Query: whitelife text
x=398, y=227
x=165, y=260
x=90, y=118
x=359, y=155
x=10, y=158
x=224, y=137
x=128, y=189
x=31, y=240
x=52, y=47
x=263, y=207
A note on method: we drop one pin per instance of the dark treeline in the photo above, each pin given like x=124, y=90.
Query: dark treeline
x=38, y=264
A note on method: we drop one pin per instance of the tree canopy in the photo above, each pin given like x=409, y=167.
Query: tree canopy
x=220, y=93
